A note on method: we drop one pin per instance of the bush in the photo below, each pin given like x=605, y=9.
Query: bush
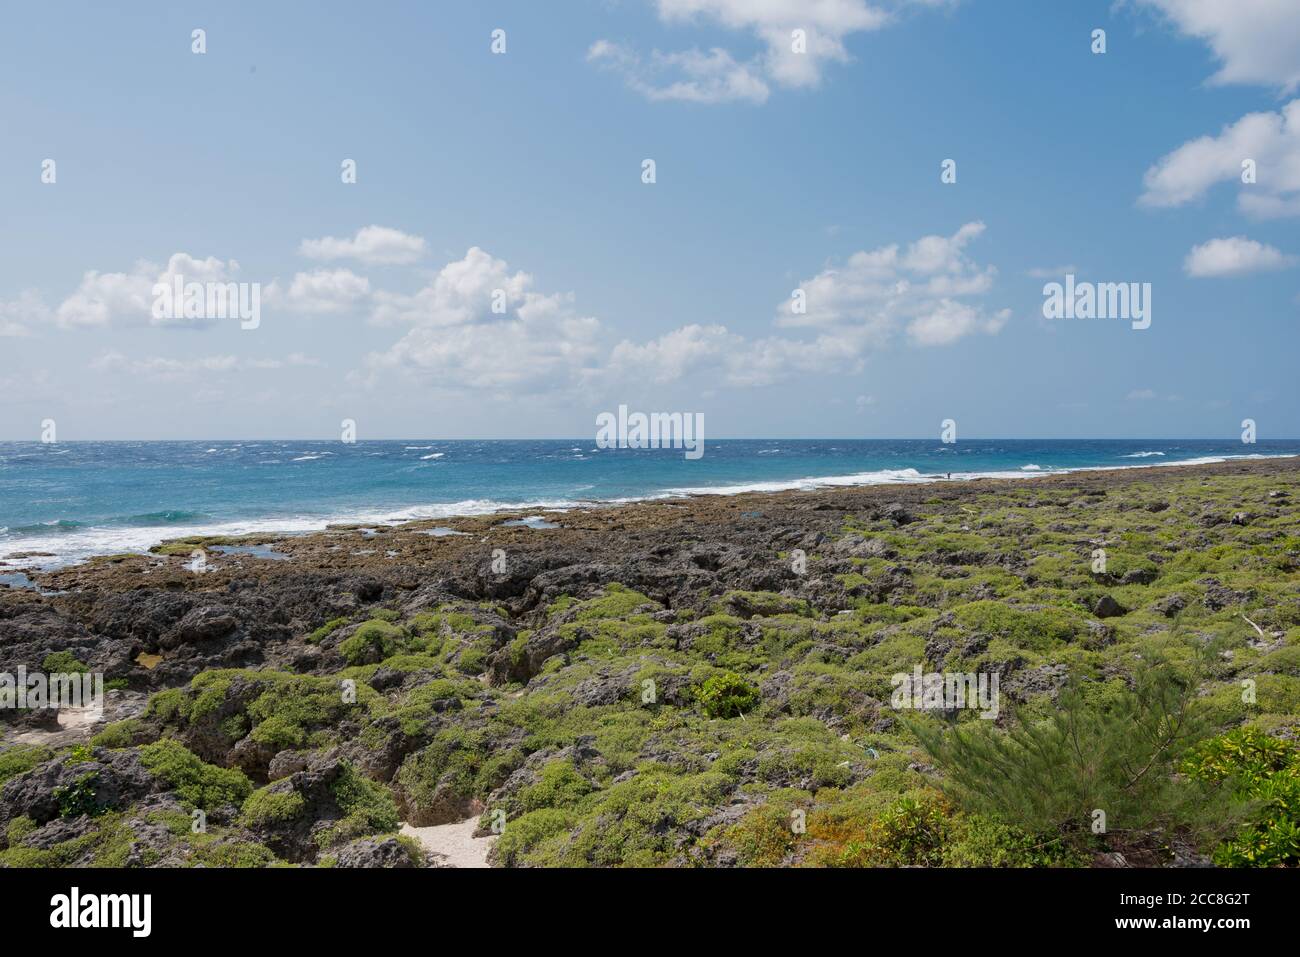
x=373, y=641
x=20, y=759
x=910, y=832
x=368, y=808
x=193, y=779
x=1264, y=772
x=726, y=695
x=560, y=786
x=119, y=734
x=1027, y=629
x=62, y=663
x=1116, y=753
x=78, y=798
x=325, y=630
x=527, y=832
x=265, y=807
x=19, y=828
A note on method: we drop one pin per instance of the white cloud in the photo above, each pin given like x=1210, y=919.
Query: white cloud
x=950, y=321
x=716, y=76
x=461, y=293
x=1235, y=256
x=320, y=291
x=1141, y=395
x=712, y=77
x=542, y=344
x=539, y=343
x=169, y=369
x=373, y=245
x=1255, y=41
x=879, y=290
x=17, y=316
x=675, y=353
x=1272, y=140
x=109, y=298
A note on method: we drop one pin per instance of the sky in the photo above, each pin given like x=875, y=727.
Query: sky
x=800, y=266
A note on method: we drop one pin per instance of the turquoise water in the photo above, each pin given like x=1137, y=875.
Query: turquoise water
x=79, y=499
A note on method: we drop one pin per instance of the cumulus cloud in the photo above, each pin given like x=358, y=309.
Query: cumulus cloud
x=108, y=298
x=1255, y=41
x=920, y=288
x=949, y=321
x=373, y=245
x=675, y=353
x=462, y=293
x=1235, y=256
x=320, y=291
x=716, y=76
x=1271, y=140
x=536, y=342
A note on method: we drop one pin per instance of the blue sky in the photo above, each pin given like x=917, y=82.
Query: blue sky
x=775, y=171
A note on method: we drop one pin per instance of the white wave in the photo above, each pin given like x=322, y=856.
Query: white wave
x=1031, y=468
x=73, y=546
x=1140, y=455
x=434, y=455
x=886, y=476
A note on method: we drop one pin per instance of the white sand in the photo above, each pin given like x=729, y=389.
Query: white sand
x=453, y=845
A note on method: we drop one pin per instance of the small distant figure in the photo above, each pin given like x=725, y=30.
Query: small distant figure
x=949, y=475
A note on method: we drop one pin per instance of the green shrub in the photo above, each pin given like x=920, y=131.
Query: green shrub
x=527, y=832
x=279, y=732
x=325, y=630
x=726, y=695
x=368, y=808
x=194, y=780
x=167, y=705
x=119, y=734
x=1114, y=753
x=267, y=808
x=63, y=662
x=374, y=640
x=1264, y=772
x=559, y=785
x=79, y=797
x=909, y=833
x=1028, y=629
x=22, y=758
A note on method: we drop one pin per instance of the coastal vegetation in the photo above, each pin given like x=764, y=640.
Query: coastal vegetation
x=709, y=704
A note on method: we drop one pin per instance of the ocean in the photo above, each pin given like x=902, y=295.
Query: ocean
x=74, y=500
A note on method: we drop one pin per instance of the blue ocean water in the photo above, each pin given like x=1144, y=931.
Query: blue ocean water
x=77, y=499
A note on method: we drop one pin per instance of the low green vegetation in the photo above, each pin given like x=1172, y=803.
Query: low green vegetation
x=1145, y=638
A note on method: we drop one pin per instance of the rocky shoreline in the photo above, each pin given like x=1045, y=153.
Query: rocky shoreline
x=558, y=681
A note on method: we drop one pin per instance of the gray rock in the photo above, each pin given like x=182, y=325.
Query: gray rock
x=375, y=852
x=1108, y=607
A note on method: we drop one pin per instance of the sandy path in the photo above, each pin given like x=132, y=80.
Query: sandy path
x=454, y=845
